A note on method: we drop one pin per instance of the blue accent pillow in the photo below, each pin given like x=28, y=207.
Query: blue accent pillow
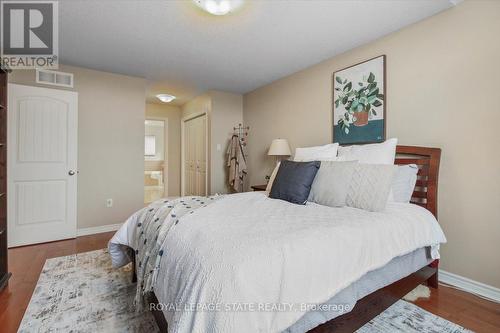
x=293, y=181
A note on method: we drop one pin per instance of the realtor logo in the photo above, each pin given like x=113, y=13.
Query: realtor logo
x=29, y=36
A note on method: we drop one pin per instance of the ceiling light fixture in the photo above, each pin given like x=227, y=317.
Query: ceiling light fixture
x=165, y=98
x=218, y=7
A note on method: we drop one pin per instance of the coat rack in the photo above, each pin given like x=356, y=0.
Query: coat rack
x=242, y=133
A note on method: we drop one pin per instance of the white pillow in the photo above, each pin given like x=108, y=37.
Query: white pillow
x=403, y=183
x=318, y=153
x=271, y=179
x=375, y=153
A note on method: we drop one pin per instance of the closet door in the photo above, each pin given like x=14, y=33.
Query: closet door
x=195, y=156
x=189, y=158
x=201, y=163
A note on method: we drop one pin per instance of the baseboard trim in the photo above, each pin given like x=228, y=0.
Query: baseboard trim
x=97, y=230
x=470, y=285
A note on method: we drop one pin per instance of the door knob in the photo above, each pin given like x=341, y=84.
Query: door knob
x=71, y=172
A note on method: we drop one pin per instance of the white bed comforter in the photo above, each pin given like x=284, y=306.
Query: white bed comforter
x=248, y=263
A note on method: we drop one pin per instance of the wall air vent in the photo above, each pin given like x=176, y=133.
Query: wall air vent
x=54, y=78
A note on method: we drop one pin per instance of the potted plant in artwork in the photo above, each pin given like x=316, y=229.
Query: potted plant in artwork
x=358, y=100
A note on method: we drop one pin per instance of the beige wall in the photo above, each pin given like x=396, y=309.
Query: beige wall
x=225, y=111
x=173, y=115
x=442, y=88
x=110, y=143
x=199, y=104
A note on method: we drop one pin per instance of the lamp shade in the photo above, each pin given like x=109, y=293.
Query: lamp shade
x=279, y=147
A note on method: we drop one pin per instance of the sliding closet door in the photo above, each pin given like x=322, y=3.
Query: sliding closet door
x=200, y=154
x=188, y=159
x=195, y=163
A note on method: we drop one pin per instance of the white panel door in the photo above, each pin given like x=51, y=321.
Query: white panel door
x=200, y=156
x=42, y=162
x=192, y=156
x=188, y=159
x=195, y=134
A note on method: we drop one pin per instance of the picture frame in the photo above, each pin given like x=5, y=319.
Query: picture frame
x=359, y=102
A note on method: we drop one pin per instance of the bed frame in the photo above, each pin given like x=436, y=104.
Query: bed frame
x=367, y=308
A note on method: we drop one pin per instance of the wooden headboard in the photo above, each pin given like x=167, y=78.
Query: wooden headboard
x=427, y=160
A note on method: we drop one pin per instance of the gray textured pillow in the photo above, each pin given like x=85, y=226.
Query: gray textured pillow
x=331, y=183
x=370, y=186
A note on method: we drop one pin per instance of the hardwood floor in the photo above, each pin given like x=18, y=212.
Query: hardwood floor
x=26, y=262
x=462, y=308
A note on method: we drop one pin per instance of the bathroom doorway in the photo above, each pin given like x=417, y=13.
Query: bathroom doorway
x=155, y=159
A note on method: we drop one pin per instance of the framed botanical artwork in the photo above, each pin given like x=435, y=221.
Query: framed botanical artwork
x=359, y=101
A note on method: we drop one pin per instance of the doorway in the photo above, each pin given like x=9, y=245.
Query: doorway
x=155, y=159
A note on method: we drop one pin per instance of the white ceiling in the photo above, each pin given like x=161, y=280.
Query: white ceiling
x=184, y=51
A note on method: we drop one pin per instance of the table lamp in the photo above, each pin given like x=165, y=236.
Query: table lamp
x=279, y=148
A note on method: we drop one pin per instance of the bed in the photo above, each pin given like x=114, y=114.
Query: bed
x=286, y=267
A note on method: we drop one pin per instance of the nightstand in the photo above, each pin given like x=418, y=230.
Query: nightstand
x=259, y=187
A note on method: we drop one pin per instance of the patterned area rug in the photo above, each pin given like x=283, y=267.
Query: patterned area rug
x=83, y=293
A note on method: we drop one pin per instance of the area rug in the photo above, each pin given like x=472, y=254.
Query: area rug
x=83, y=293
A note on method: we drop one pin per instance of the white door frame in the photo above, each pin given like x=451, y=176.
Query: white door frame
x=207, y=150
x=70, y=169
x=165, y=151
